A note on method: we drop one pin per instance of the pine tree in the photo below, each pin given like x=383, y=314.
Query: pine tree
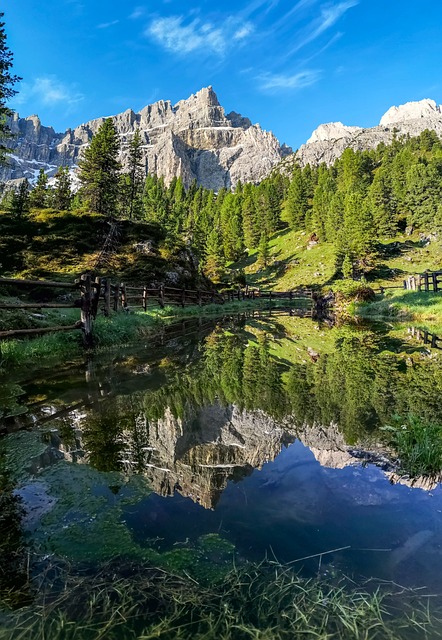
x=214, y=262
x=18, y=205
x=99, y=170
x=39, y=194
x=251, y=227
x=263, y=250
x=133, y=179
x=7, y=82
x=62, y=193
x=296, y=205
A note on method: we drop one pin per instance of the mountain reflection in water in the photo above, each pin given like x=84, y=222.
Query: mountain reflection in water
x=243, y=420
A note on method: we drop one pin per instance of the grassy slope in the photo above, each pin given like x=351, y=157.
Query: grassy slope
x=293, y=264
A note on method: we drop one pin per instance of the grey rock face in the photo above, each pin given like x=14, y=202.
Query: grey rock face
x=194, y=140
x=329, y=141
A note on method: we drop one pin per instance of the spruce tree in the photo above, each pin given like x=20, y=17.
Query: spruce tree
x=99, y=170
x=263, y=250
x=18, y=205
x=296, y=206
x=39, y=194
x=7, y=91
x=62, y=193
x=133, y=179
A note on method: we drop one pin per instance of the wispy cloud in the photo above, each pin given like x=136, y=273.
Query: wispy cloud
x=48, y=91
x=106, y=25
x=300, y=80
x=329, y=16
x=138, y=12
x=182, y=37
x=243, y=32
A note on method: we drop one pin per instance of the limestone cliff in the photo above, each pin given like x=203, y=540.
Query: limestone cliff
x=193, y=139
x=328, y=141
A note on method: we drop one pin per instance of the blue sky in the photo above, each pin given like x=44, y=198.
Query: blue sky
x=288, y=65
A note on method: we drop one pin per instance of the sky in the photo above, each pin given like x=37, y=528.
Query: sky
x=288, y=65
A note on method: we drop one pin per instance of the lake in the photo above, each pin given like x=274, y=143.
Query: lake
x=231, y=478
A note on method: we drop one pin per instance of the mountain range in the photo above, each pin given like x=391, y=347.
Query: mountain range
x=196, y=140
x=193, y=139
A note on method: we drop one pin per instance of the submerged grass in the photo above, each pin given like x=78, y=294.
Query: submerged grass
x=264, y=601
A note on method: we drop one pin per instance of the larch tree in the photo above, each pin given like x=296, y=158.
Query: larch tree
x=100, y=170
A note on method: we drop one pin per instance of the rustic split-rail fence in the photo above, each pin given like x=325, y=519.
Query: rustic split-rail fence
x=426, y=337
x=427, y=281
x=89, y=294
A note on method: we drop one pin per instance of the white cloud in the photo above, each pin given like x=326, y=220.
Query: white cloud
x=329, y=16
x=173, y=34
x=243, y=32
x=180, y=36
x=48, y=91
x=138, y=12
x=300, y=80
x=106, y=25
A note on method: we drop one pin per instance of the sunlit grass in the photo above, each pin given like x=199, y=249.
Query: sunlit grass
x=405, y=305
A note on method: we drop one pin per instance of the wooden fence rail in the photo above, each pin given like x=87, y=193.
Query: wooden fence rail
x=426, y=337
x=92, y=291
x=427, y=281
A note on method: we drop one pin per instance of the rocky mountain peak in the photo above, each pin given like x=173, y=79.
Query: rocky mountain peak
x=411, y=111
x=193, y=139
x=328, y=141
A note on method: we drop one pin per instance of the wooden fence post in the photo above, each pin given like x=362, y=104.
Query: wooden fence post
x=123, y=296
x=183, y=298
x=434, y=276
x=144, y=298
x=86, y=315
x=161, y=296
x=96, y=292
x=199, y=297
x=107, y=297
x=426, y=281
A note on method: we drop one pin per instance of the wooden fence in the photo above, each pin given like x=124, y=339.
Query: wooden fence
x=89, y=292
x=427, y=281
x=426, y=337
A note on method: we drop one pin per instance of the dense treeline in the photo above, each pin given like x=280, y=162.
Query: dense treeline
x=364, y=197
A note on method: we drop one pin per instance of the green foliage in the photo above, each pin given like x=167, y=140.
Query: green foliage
x=19, y=202
x=99, y=170
x=62, y=192
x=7, y=91
x=39, y=194
x=418, y=445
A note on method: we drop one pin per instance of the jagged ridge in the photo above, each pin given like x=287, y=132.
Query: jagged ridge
x=194, y=140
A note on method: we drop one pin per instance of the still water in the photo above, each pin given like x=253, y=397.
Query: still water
x=224, y=443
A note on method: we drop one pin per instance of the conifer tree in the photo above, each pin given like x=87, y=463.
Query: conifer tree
x=39, y=194
x=7, y=91
x=296, y=206
x=18, y=205
x=62, y=193
x=263, y=250
x=133, y=179
x=214, y=261
x=99, y=170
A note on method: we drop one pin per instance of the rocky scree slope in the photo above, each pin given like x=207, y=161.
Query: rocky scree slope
x=194, y=140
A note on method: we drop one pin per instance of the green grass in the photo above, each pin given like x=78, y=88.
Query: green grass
x=418, y=445
x=117, y=330
x=292, y=263
x=405, y=306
